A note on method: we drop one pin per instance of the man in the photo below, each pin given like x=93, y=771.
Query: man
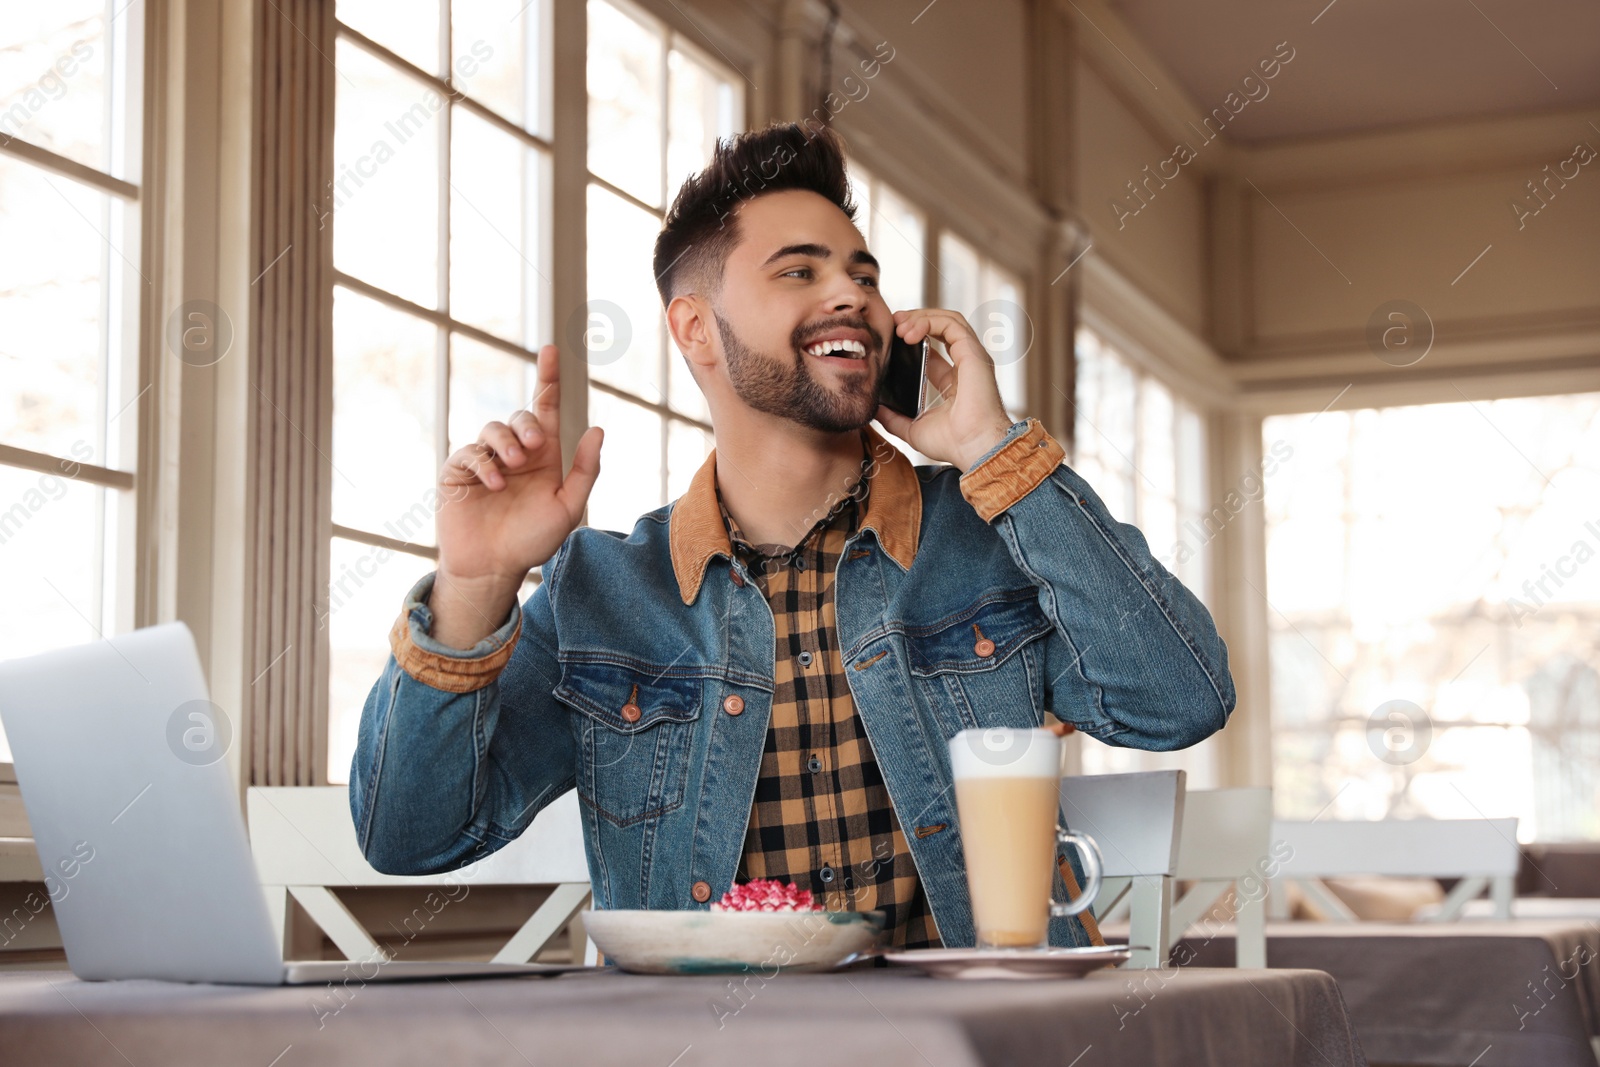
x=761, y=678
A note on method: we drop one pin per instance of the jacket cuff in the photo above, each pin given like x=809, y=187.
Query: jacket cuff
x=448, y=669
x=1012, y=469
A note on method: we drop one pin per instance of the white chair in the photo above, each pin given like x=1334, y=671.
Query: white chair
x=1134, y=818
x=1481, y=852
x=1226, y=844
x=304, y=842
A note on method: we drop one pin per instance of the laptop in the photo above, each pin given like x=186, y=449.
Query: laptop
x=119, y=756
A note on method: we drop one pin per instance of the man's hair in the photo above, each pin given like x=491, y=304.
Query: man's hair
x=701, y=227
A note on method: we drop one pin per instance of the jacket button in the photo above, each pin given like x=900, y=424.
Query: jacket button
x=733, y=704
x=984, y=647
x=631, y=712
x=738, y=579
x=701, y=891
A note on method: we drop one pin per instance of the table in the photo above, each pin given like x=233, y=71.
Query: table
x=1489, y=993
x=1560, y=869
x=1581, y=910
x=887, y=1017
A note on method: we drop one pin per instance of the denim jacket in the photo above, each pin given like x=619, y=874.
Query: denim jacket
x=640, y=670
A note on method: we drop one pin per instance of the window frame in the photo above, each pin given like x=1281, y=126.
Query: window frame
x=671, y=38
x=441, y=319
x=122, y=558
x=537, y=317
x=560, y=155
x=1291, y=626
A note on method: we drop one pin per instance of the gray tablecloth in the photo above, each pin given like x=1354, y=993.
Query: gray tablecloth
x=1490, y=994
x=885, y=1017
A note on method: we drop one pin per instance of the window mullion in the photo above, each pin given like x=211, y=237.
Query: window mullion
x=661, y=196
x=442, y=334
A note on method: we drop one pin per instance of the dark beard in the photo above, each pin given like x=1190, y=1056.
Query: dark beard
x=791, y=392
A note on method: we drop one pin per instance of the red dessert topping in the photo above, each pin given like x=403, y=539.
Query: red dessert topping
x=766, y=894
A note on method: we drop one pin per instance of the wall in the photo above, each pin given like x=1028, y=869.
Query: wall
x=1407, y=215
x=1150, y=229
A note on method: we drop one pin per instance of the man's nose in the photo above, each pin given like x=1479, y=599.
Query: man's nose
x=846, y=294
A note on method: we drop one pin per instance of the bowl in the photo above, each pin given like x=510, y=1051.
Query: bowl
x=730, y=942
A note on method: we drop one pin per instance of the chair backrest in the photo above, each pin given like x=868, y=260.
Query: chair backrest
x=1431, y=848
x=1226, y=845
x=1134, y=818
x=1482, y=853
x=1227, y=834
x=304, y=836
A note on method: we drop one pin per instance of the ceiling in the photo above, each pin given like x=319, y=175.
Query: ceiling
x=1370, y=64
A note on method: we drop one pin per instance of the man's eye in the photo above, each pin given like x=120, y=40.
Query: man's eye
x=795, y=270
x=868, y=279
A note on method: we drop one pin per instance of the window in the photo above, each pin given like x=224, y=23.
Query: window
x=991, y=300
x=897, y=233
x=1434, y=595
x=1143, y=449
x=70, y=170
x=440, y=210
x=656, y=109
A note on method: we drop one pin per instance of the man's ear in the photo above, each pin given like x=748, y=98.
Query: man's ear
x=689, y=322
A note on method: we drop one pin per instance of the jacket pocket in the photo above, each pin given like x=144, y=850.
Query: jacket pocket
x=980, y=667
x=635, y=729
x=979, y=639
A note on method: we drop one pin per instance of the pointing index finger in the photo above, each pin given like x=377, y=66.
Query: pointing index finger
x=546, y=402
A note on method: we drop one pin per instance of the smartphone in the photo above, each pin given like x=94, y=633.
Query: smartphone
x=905, y=382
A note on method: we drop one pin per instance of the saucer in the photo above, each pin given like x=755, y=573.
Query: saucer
x=1011, y=963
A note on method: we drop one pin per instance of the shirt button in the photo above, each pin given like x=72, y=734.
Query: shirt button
x=805, y=659
x=799, y=563
x=733, y=704
x=814, y=765
x=701, y=891
x=984, y=647
x=826, y=874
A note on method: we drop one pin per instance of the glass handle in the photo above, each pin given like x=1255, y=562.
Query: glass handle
x=1091, y=867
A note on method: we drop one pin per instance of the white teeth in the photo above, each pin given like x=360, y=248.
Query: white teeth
x=852, y=349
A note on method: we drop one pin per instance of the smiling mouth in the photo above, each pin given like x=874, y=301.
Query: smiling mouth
x=843, y=350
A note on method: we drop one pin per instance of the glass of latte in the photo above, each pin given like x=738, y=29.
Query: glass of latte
x=1007, y=794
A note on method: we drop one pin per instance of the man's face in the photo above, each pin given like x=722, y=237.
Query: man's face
x=801, y=276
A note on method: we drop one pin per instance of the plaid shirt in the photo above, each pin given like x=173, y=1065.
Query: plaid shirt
x=822, y=817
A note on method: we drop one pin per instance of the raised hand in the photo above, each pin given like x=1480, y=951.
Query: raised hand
x=506, y=510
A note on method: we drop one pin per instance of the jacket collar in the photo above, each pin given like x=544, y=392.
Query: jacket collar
x=894, y=513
